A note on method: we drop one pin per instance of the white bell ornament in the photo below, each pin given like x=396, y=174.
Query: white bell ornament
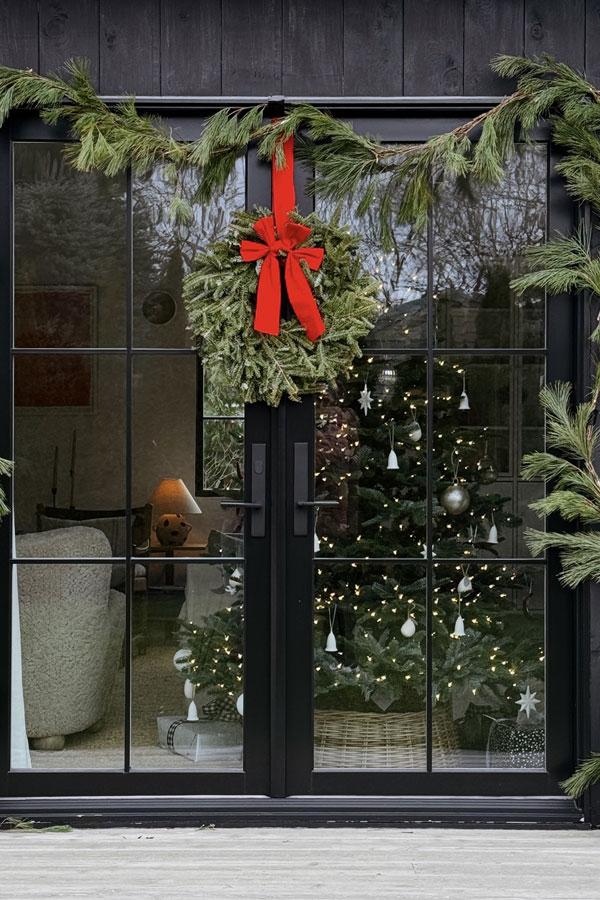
x=331, y=645
x=459, y=627
x=492, y=537
x=408, y=628
x=192, y=713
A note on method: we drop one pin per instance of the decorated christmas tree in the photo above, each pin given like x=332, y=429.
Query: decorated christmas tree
x=487, y=644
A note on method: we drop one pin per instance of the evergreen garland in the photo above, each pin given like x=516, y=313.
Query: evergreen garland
x=401, y=180
x=219, y=297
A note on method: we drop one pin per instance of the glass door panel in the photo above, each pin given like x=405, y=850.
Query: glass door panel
x=134, y=554
x=429, y=623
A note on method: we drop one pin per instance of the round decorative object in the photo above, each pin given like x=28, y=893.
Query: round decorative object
x=181, y=659
x=220, y=298
x=408, y=628
x=172, y=530
x=486, y=470
x=239, y=704
x=455, y=499
x=158, y=307
x=413, y=432
x=386, y=382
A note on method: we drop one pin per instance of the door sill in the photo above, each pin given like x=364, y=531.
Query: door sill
x=509, y=812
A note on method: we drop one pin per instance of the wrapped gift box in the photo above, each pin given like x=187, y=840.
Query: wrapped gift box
x=204, y=741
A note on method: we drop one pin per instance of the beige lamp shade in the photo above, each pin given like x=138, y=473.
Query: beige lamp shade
x=171, y=496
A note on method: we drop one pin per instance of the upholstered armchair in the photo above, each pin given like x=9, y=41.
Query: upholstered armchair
x=72, y=628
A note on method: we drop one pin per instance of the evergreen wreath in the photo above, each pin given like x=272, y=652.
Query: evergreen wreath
x=219, y=296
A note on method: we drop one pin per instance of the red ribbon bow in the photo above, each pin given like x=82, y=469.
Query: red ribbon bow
x=282, y=236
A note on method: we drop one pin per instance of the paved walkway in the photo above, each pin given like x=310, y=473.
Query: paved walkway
x=273, y=863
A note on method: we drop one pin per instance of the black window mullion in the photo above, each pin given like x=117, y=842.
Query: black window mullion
x=429, y=501
x=128, y=471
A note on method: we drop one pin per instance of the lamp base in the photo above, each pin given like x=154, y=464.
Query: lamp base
x=172, y=530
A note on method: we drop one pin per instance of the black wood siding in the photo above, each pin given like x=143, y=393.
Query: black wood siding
x=295, y=47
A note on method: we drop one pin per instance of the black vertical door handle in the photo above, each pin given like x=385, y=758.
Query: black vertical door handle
x=302, y=505
x=258, y=486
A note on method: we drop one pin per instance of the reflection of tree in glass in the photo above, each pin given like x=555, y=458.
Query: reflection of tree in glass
x=223, y=454
x=152, y=197
x=67, y=224
x=402, y=272
x=479, y=234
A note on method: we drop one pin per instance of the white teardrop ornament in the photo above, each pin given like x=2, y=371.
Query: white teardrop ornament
x=459, y=627
x=316, y=543
x=408, y=628
x=331, y=645
x=189, y=689
x=464, y=398
x=392, y=462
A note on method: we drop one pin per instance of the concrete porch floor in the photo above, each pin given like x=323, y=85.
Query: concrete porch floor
x=301, y=863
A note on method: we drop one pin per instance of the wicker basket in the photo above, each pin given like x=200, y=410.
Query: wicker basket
x=382, y=740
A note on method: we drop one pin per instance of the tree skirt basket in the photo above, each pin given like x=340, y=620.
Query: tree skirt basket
x=381, y=740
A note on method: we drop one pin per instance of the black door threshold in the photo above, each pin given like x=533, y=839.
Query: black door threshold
x=190, y=811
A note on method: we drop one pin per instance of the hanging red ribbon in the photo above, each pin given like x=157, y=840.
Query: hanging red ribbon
x=281, y=236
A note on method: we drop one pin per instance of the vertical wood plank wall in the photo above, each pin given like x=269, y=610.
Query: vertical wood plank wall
x=311, y=47
x=304, y=47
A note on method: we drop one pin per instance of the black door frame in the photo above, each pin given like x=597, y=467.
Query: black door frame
x=420, y=117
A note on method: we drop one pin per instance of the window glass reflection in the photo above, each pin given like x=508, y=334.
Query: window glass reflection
x=164, y=250
x=479, y=235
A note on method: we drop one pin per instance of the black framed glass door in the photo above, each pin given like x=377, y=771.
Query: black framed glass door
x=138, y=585
x=427, y=650
x=326, y=643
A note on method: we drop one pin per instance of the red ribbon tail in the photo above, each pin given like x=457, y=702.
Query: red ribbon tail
x=268, y=296
x=302, y=299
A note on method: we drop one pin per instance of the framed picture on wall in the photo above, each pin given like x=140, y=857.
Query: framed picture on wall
x=55, y=316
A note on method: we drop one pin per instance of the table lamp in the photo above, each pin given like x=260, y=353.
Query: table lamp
x=170, y=501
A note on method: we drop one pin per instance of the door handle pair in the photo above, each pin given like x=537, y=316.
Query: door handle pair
x=258, y=482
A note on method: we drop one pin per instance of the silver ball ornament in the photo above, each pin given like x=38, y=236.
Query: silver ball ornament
x=486, y=470
x=413, y=432
x=455, y=499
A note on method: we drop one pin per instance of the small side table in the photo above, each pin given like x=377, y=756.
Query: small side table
x=171, y=552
